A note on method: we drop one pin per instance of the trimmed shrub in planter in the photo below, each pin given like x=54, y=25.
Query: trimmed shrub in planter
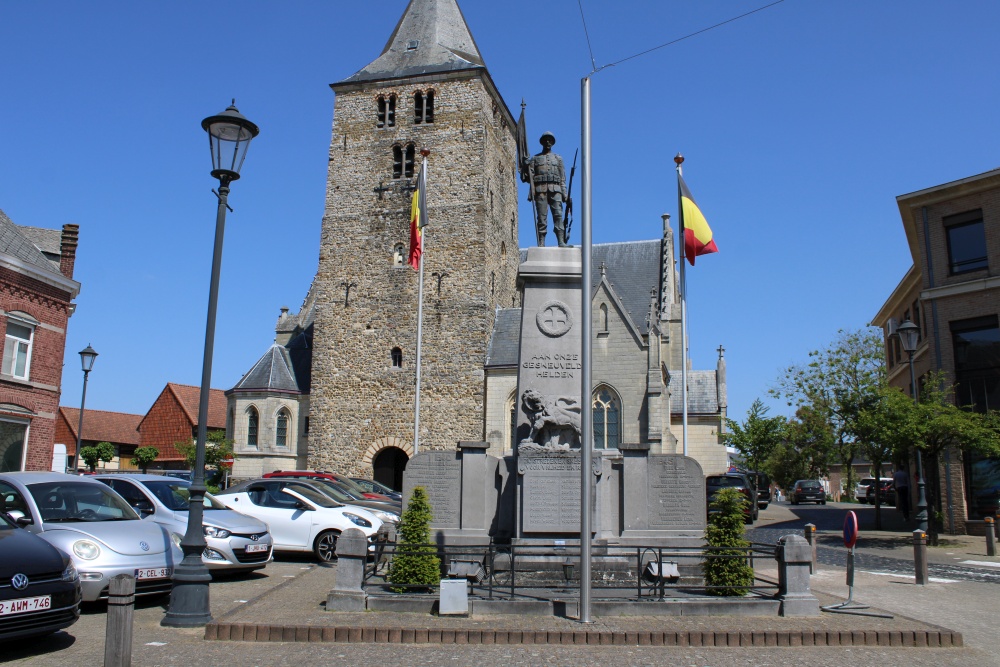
x=725, y=531
x=416, y=562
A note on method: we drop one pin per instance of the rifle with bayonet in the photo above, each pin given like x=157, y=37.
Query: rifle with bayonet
x=568, y=208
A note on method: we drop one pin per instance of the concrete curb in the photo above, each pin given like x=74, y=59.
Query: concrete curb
x=254, y=632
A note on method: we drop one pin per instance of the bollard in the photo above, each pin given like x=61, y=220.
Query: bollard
x=991, y=544
x=810, y=534
x=118, y=636
x=920, y=557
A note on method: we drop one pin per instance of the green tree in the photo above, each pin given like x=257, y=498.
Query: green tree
x=102, y=451
x=143, y=456
x=218, y=448
x=757, y=437
x=730, y=566
x=834, y=381
x=416, y=562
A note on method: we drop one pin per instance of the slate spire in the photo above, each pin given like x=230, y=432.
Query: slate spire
x=432, y=37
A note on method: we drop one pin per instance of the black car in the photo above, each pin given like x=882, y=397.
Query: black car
x=807, y=491
x=733, y=480
x=886, y=492
x=39, y=586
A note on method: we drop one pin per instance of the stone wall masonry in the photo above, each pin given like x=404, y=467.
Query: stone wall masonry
x=357, y=396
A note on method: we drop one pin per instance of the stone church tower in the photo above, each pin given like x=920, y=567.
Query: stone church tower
x=429, y=89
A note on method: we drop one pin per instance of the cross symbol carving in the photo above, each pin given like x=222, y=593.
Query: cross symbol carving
x=555, y=318
x=382, y=187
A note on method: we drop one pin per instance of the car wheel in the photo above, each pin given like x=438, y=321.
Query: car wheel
x=325, y=546
x=822, y=502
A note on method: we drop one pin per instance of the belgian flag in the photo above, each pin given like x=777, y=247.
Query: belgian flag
x=697, y=234
x=418, y=218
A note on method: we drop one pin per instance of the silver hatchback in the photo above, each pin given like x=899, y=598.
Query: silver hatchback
x=234, y=542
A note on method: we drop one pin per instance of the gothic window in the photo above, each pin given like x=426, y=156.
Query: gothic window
x=607, y=418
x=17, y=346
x=281, y=429
x=604, y=317
x=386, y=115
x=411, y=154
x=253, y=420
x=397, y=357
x=423, y=107
x=398, y=253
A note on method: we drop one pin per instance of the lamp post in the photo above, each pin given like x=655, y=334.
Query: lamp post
x=908, y=333
x=87, y=357
x=229, y=136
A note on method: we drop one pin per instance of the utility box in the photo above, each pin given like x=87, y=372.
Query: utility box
x=454, y=598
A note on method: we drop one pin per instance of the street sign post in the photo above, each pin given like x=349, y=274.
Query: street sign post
x=850, y=540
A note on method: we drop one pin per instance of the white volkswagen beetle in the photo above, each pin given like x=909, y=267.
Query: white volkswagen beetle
x=299, y=517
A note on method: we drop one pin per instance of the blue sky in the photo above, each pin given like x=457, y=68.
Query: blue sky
x=800, y=125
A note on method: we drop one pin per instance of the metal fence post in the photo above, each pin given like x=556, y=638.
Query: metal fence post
x=118, y=635
x=810, y=534
x=991, y=544
x=920, y=557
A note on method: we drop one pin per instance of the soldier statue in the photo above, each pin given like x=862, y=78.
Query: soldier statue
x=548, y=177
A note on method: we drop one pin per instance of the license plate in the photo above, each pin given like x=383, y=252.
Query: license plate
x=25, y=605
x=256, y=548
x=152, y=573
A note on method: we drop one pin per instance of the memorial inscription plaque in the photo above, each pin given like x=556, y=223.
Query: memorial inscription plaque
x=550, y=491
x=676, y=493
x=440, y=473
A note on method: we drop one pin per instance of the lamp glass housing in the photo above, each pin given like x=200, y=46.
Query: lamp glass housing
x=908, y=333
x=87, y=357
x=229, y=136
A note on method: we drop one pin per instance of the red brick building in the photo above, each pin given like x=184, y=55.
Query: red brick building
x=173, y=418
x=36, y=294
x=118, y=428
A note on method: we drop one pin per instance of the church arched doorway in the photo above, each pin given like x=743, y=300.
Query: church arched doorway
x=388, y=466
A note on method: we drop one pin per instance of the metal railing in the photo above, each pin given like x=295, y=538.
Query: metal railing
x=509, y=571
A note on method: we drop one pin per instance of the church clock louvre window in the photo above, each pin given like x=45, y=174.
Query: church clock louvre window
x=411, y=154
x=607, y=418
x=397, y=357
x=386, y=111
x=397, y=162
x=423, y=107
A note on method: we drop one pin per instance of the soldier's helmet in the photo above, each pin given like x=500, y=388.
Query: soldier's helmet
x=551, y=136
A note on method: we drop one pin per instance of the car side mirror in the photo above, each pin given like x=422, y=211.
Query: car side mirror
x=302, y=506
x=143, y=507
x=20, y=518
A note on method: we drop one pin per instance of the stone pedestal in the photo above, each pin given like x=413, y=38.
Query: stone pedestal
x=348, y=590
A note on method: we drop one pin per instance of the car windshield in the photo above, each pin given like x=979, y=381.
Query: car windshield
x=64, y=502
x=312, y=495
x=352, y=486
x=334, y=491
x=726, y=481
x=175, y=494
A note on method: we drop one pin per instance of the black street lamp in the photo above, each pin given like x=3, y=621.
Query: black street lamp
x=229, y=136
x=908, y=334
x=87, y=357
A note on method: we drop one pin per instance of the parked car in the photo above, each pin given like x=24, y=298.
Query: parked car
x=386, y=511
x=733, y=480
x=886, y=492
x=39, y=585
x=807, y=491
x=91, y=523
x=234, y=542
x=343, y=480
x=861, y=489
x=300, y=517
x=372, y=486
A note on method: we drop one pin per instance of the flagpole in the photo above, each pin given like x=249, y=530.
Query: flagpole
x=586, y=389
x=679, y=160
x=420, y=304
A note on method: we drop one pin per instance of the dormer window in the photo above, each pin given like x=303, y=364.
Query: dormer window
x=386, y=111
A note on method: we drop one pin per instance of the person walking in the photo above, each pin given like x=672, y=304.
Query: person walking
x=901, y=480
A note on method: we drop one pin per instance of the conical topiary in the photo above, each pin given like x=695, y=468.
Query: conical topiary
x=727, y=564
x=416, y=563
